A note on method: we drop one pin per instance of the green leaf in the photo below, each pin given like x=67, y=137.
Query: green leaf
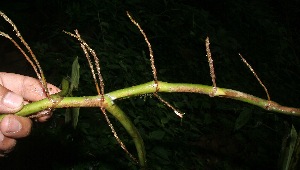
x=288, y=149
x=243, y=118
x=75, y=74
x=71, y=115
x=164, y=120
x=157, y=135
x=75, y=115
x=67, y=115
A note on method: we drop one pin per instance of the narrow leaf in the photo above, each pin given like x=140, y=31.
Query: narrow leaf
x=75, y=115
x=67, y=115
x=75, y=74
x=243, y=118
x=288, y=151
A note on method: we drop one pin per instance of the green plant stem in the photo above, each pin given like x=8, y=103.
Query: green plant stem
x=148, y=88
x=131, y=129
x=203, y=89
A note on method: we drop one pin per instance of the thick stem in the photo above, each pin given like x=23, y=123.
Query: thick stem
x=94, y=101
x=150, y=87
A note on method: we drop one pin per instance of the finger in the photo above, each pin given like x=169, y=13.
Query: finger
x=15, y=126
x=6, y=144
x=10, y=102
x=28, y=87
x=46, y=114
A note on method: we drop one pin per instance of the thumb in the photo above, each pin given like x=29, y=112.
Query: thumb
x=10, y=102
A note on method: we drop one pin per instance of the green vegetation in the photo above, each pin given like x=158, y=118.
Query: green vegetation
x=215, y=133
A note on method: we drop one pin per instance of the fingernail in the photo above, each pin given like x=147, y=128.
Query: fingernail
x=13, y=125
x=12, y=100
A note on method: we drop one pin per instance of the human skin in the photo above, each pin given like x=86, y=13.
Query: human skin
x=16, y=91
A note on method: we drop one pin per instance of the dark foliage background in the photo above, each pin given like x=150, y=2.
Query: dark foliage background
x=264, y=32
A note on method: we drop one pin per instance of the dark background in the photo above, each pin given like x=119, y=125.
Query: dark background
x=264, y=32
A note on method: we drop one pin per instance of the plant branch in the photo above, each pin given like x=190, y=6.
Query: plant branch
x=147, y=88
x=131, y=129
x=94, y=101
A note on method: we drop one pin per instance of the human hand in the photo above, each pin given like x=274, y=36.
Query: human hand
x=15, y=91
